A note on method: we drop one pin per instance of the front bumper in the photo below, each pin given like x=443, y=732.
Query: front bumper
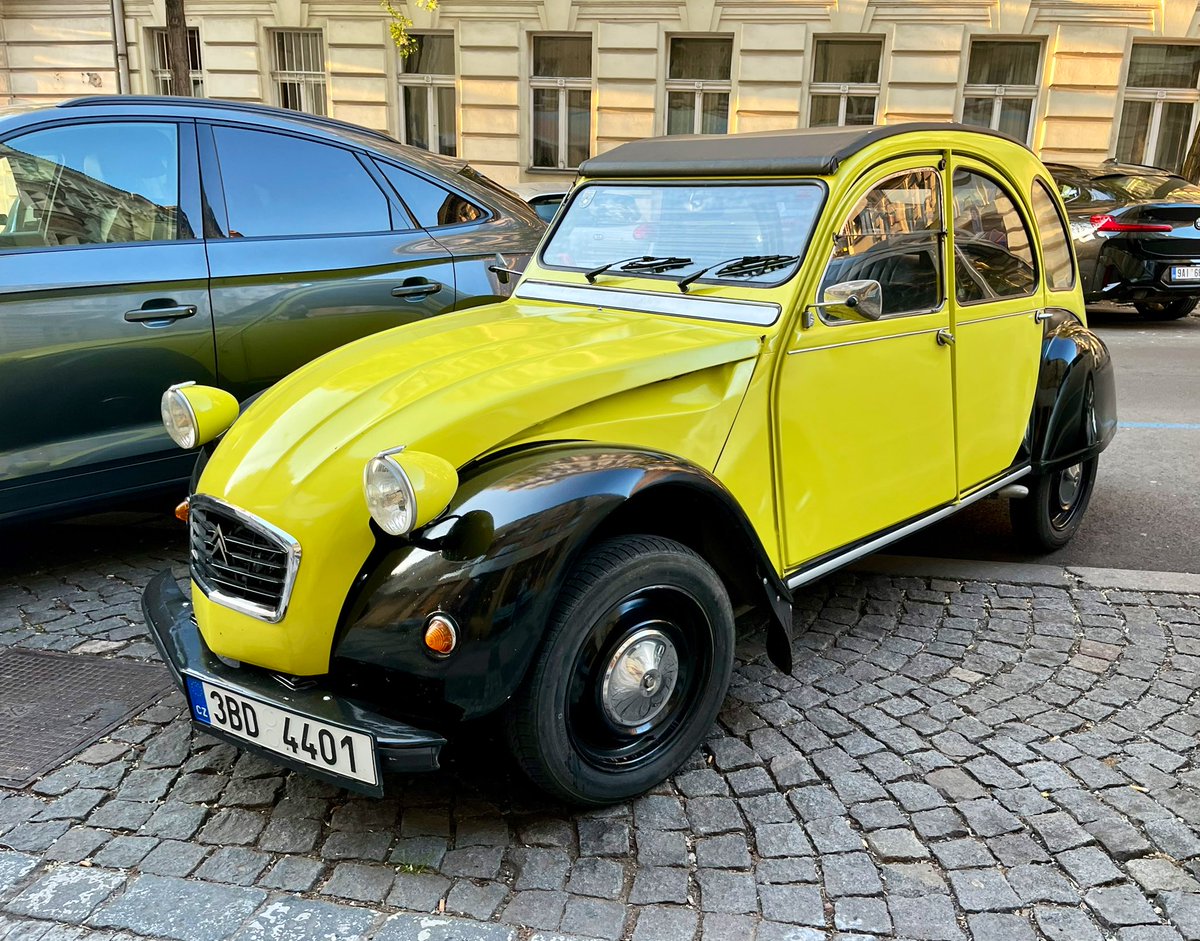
x=399, y=747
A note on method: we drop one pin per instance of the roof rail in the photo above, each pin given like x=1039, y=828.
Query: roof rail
x=177, y=100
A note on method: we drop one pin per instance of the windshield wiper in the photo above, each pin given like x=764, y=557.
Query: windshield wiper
x=641, y=264
x=742, y=266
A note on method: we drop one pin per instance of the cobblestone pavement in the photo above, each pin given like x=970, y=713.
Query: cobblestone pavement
x=948, y=760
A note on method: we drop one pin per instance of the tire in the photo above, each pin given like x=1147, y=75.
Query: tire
x=574, y=728
x=1047, y=519
x=1167, y=310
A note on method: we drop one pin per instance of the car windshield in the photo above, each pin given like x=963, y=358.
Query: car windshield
x=654, y=228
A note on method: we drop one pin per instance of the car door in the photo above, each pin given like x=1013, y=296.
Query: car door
x=865, y=409
x=307, y=251
x=994, y=309
x=103, y=304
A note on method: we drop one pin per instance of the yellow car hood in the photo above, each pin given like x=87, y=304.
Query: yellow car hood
x=456, y=386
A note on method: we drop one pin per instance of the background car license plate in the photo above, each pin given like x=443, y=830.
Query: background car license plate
x=1185, y=273
x=331, y=748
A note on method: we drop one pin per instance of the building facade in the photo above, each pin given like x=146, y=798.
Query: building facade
x=526, y=89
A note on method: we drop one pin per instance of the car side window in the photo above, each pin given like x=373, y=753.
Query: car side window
x=991, y=239
x=430, y=204
x=1056, y=243
x=894, y=236
x=90, y=184
x=278, y=185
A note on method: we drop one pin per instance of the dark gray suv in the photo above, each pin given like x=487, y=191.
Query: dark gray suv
x=150, y=241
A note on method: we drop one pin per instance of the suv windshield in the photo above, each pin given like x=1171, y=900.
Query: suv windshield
x=705, y=224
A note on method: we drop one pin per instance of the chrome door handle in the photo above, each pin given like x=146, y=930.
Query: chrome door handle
x=945, y=337
x=1041, y=316
x=417, y=290
x=151, y=314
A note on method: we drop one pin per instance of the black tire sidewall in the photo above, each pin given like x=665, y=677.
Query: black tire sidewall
x=560, y=766
x=1032, y=515
x=1173, y=309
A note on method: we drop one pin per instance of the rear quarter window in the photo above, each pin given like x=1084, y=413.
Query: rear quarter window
x=1056, y=242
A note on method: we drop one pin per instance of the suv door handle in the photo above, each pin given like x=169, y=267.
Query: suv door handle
x=1041, y=316
x=150, y=314
x=945, y=337
x=416, y=289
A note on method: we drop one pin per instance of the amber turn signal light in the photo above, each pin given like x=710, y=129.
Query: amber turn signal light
x=441, y=635
x=181, y=511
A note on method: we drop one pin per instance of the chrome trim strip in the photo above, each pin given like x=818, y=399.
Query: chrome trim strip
x=751, y=313
x=263, y=528
x=890, y=336
x=812, y=574
x=1019, y=313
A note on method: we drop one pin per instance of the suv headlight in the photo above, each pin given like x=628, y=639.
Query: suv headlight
x=406, y=489
x=193, y=415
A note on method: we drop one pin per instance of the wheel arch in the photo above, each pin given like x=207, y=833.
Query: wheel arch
x=1074, y=413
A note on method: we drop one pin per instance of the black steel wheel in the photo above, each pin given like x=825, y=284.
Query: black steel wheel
x=632, y=673
x=1174, y=309
x=1048, y=518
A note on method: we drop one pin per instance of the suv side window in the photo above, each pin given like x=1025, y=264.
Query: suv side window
x=991, y=241
x=278, y=185
x=90, y=184
x=894, y=236
x=1056, y=243
x=430, y=204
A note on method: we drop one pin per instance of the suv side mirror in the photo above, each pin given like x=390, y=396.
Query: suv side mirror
x=853, y=300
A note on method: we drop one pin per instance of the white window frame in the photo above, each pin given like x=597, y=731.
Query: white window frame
x=1156, y=97
x=306, y=79
x=846, y=90
x=431, y=81
x=998, y=93
x=698, y=87
x=563, y=85
x=158, y=64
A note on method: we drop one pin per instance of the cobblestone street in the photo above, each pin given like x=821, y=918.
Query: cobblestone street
x=950, y=759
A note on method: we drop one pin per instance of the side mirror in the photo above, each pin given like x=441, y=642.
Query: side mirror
x=853, y=300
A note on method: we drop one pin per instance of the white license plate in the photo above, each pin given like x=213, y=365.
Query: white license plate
x=330, y=748
x=1185, y=273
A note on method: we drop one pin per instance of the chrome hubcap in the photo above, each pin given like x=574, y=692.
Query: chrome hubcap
x=1068, y=486
x=639, y=680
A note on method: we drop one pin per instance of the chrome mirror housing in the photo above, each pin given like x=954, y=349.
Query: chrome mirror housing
x=853, y=300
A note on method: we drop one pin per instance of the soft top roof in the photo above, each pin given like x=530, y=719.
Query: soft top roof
x=764, y=153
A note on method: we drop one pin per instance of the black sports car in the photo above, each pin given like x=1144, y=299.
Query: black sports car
x=1137, y=235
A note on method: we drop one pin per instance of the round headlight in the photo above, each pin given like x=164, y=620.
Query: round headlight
x=390, y=497
x=178, y=418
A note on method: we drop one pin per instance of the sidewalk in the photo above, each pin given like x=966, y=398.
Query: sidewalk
x=962, y=751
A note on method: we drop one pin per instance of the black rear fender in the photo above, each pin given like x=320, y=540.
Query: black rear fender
x=1075, y=408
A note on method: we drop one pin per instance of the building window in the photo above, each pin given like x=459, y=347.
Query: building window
x=428, y=109
x=160, y=69
x=562, y=101
x=698, y=85
x=845, y=85
x=298, y=69
x=1159, y=113
x=1002, y=86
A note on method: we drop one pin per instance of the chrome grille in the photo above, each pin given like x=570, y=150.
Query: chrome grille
x=240, y=561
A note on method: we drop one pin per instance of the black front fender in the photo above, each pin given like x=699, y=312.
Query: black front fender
x=1075, y=408
x=495, y=562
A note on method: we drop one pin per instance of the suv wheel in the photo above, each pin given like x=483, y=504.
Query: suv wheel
x=632, y=672
x=1167, y=310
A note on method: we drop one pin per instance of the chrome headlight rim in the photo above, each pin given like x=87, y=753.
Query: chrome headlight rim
x=385, y=462
x=184, y=438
